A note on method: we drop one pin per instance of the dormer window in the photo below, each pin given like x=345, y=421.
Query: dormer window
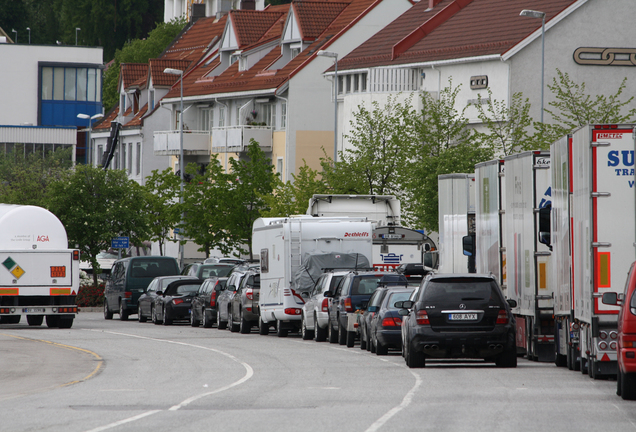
x=295, y=49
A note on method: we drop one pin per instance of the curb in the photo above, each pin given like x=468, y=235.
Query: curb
x=90, y=309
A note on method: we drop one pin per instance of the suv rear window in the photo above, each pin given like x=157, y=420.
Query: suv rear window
x=363, y=285
x=151, y=268
x=460, y=290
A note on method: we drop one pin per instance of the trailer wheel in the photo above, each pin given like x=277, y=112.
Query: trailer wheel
x=107, y=312
x=263, y=327
x=52, y=321
x=66, y=322
x=35, y=320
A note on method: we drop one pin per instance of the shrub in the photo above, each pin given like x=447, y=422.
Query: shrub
x=90, y=296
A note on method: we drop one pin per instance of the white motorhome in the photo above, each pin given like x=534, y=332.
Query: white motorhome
x=456, y=203
x=528, y=263
x=293, y=252
x=603, y=211
x=40, y=275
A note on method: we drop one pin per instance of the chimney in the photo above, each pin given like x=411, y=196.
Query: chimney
x=197, y=11
x=248, y=4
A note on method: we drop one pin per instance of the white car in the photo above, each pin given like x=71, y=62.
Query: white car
x=315, y=316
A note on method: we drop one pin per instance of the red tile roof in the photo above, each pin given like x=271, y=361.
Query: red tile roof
x=315, y=16
x=469, y=28
x=195, y=40
x=104, y=122
x=250, y=25
x=137, y=120
x=163, y=79
x=131, y=73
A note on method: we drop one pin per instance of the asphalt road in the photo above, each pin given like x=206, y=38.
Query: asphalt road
x=128, y=376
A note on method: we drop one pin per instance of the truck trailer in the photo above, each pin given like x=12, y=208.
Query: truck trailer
x=40, y=274
x=293, y=252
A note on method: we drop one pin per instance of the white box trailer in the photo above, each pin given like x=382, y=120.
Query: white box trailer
x=490, y=227
x=287, y=247
x=528, y=263
x=603, y=233
x=456, y=203
x=39, y=276
x=382, y=210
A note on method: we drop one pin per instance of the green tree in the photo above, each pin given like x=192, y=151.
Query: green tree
x=162, y=204
x=25, y=178
x=138, y=51
x=205, y=198
x=508, y=125
x=292, y=198
x=96, y=205
x=251, y=179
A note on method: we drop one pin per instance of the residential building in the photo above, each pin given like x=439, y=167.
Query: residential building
x=205, y=8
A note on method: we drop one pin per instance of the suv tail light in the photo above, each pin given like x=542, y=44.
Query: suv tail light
x=422, y=318
x=293, y=311
x=249, y=294
x=391, y=322
x=502, y=317
x=177, y=301
x=347, y=304
x=128, y=294
x=325, y=305
x=213, y=299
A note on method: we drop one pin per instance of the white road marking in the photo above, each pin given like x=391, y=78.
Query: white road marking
x=405, y=402
x=249, y=372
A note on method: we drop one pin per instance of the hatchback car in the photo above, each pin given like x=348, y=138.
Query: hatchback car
x=175, y=302
x=146, y=302
x=244, y=312
x=458, y=316
x=315, y=316
x=225, y=297
x=204, y=302
x=626, y=347
x=381, y=322
x=354, y=289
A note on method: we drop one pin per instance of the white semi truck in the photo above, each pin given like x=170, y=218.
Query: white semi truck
x=294, y=251
x=39, y=276
x=602, y=210
x=456, y=203
x=528, y=262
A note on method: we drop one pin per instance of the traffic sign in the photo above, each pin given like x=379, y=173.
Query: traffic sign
x=119, y=243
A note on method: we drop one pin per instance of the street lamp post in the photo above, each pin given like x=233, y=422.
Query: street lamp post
x=333, y=55
x=29, y=30
x=16, y=35
x=90, y=119
x=179, y=72
x=537, y=14
x=76, y=30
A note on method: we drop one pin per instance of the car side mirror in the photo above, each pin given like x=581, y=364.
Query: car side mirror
x=372, y=309
x=468, y=245
x=406, y=304
x=512, y=303
x=611, y=298
x=328, y=294
x=403, y=312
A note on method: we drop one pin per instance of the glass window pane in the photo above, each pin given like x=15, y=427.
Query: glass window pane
x=69, y=84
x=47, y=83
x=81, y=84
x=98, y=85
x=58, y=83
x=90, y=87
x=138, y=171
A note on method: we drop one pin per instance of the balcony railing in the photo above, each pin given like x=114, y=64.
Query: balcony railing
x=166, y=143
x=235, y=139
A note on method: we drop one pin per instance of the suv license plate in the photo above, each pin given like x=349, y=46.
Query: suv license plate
x=462, y=316
x=33, y=310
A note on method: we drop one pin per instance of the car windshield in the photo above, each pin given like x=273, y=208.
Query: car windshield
x=185, y=289
x=207, y=271
x=365, y=284
x=396, y=297
x=459, y=290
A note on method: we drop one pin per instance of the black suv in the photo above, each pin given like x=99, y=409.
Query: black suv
x=459, y=316
x=354, y=289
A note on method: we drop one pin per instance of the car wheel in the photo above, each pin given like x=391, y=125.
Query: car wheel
x=381, y=349
x=207, y=323
x=280, y=331
x=342, y=334
x=153, y=315
x=263, y=327
x=230, y=323
x=320, y=334
x=415, y=359
x=221, y=325
x=194, y=321
x=245, y=326
x=351, y=339
x=166, y=320
x=507, y=359
x=35, y=320
x=628, y=386
x=141, y=317
x=123, y=312
x=363, y=338
x=306, y=334
x=372, y=343
x=333, y=335
x=107, y=313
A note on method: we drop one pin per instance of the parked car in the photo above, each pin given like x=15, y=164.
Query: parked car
x=129, y=279
x=204, y=271
x=226, y=260
x=626, y=337
x=175, y=302
x=459, y=316
x=244, y=313
x=354, y=289
x=382, y=322
x=204, y=302
x=315, y=316
x=414, y=272
x=225, y=297
x=146, y=302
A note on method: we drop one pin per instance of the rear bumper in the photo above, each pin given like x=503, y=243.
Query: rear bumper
x=390, y=338
x=463, y=344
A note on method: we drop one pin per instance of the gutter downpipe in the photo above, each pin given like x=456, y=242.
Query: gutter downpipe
x=286, y=135
x=228, y=113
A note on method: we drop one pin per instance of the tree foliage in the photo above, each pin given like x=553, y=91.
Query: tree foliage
x=162, y=205
x=292, y=198
x=96, y=205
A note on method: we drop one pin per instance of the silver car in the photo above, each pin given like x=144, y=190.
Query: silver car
x=315, y=316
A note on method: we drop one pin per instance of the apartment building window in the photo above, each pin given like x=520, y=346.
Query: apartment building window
x=138, y=164
x=122, y=163
x=100, y=154
x=269, y=114
x=176, y=119
x=206, y=119
x=151, y=96
x=130, y=156
x=340, y=84
x=348, y=83
x=71, y=84
x=283, y=115
x=221, y=116
x=363, y=82
x=356, y=83
x=279, y=166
